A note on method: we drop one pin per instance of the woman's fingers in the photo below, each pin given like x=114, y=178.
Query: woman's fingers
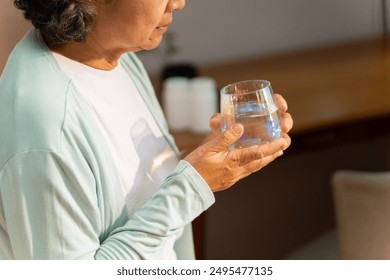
x=287, y=139
x=256, y=165
x=259, y=152
x=222, y=167
x=227, y=138
x=215, y=125
x=281, y=102
x=215, y=122
x=287, y=122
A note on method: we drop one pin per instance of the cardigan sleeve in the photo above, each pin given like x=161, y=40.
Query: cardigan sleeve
x=182, y=197
x=52, y=212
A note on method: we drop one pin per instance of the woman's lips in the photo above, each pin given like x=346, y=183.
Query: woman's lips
x=162, y=28
x=164, y=25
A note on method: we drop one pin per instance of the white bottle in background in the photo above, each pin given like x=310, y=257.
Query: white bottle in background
x=204, y=102
x=176, y=103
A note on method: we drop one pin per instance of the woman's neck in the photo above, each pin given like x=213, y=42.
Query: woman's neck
x=89, y=53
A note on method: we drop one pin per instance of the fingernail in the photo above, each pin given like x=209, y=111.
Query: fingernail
x=237, y=128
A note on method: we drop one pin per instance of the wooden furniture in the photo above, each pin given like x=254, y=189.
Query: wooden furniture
x=336, y=94
x=326, y=87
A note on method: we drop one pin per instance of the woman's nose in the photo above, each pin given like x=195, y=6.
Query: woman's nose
x=175, y=5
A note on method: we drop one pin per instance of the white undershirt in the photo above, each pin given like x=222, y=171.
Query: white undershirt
x=141, y=153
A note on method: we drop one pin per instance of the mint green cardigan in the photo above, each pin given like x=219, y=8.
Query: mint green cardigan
x=60, y=196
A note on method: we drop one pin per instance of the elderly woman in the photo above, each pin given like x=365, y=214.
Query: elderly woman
x=88, y=169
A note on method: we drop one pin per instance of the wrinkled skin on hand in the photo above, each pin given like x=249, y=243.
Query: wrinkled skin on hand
x=221, y=167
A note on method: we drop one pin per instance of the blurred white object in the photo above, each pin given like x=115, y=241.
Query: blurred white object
x=204, y=103
x=176, y=103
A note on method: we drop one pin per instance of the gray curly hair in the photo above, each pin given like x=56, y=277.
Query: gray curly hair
x=60, y=21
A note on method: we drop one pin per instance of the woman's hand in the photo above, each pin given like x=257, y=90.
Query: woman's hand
x=286, y=122
x=221, y=168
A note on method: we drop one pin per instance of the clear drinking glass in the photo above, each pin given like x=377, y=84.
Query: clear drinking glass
x=252, y=104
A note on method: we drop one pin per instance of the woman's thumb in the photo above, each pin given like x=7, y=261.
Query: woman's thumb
x=230, y=136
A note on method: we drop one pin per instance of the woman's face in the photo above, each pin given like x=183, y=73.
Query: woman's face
x=133, y=25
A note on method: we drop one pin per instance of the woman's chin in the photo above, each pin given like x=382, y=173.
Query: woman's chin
x=152, y=43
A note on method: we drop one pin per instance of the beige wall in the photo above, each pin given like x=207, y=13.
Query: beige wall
x=12, y=28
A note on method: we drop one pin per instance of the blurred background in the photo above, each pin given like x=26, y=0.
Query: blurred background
x=208, y=32
x=330, y=60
